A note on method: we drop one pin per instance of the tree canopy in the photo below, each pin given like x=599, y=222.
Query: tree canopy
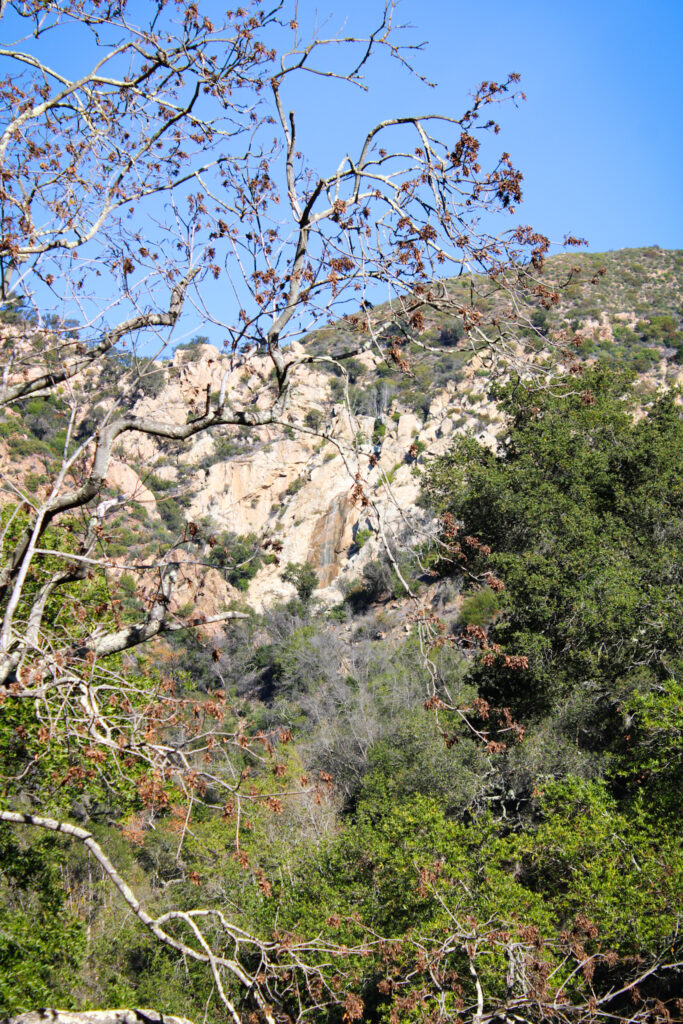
x=581, y=514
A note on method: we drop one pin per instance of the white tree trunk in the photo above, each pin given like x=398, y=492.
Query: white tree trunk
x=94, y=1017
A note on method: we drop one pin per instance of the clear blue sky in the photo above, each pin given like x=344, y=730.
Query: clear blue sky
x=600, y=138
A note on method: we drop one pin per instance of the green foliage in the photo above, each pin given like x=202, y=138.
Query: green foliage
x=32, y=481
x=158, y=483
x=643, y=360
x=225, y=446
x=42, y=942
x=313, y=419
x=337, y=390
x=584, y=880
x=378, y=582
x=303, y=577
x=413, y=759
x=619, y=870
x=379, y=432
x=295, y=665
x=239, y=557
x=189, y=348
x=564, y=843
x=582, y=509
x=295, y=486
x=361, y=537
x=480, y=608
x=652, y=758
x=151, y=382
x=451, y=335
x=172, y=515
x=45, y=418
x=662, y=330
x=16, y=310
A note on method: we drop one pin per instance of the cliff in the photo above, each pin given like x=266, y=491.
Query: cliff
x=343, y=465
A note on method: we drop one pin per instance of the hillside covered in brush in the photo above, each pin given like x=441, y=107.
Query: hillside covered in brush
x=621, y=308
x=435, y=757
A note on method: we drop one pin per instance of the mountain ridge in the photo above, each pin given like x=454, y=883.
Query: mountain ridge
x=343, y=467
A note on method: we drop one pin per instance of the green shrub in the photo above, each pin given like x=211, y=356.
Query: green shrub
x=32, y=481
x=172, y=515
x=239, y=557
x=360, y=537
x=304, y=578
x=42, y=941
x=379, y=432
x=480, y=608
x=295, y=486
x=21, y=445
x=313, y=419
x=157, y=483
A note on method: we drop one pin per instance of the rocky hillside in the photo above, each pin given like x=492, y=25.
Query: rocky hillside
x=271, y=497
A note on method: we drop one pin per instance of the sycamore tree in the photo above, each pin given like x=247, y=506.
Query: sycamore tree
x=150, y=170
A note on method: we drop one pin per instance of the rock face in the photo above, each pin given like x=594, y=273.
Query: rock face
x=322, y=485
x=123, y=478
x=331, y=477
x=240, y=494
x=311, y=487
x=332, y=537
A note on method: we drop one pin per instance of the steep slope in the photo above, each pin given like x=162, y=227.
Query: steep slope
x=321, y=487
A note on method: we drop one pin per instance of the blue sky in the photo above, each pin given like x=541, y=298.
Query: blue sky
x=599, y=140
